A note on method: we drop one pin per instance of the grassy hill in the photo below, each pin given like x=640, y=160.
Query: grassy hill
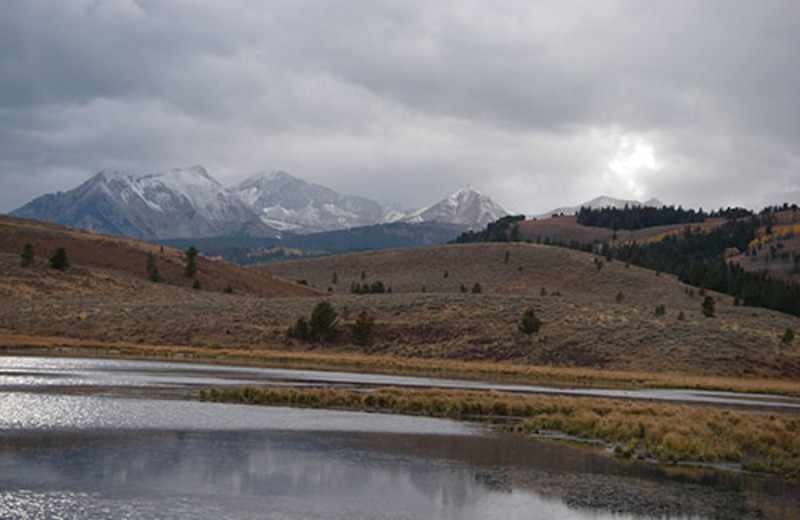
x=499, y=268
x=596, y=314
x=122, y=257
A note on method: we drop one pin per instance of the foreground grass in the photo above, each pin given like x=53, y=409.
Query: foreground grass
x=13, y=343
x=664, y=432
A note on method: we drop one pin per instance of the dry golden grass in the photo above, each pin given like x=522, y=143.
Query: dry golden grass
x=585, y=327
x=473, y=370
x=667, y=433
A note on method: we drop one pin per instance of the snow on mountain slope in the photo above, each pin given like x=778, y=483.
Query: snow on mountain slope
x=287, y=202
x=602, y=201
x=183, y=202
x=467, y=206
x=190, y=203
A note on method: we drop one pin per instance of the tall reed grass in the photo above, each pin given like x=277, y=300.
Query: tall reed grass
x=664, y=432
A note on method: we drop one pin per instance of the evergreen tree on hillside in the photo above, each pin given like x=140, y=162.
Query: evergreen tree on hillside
x=502, y=230
x=152, y=270
x=323, y=323
x=363, y=329
x=59, y=259
x=529, y=323
x=708, y=307
x=191, y=264
x=26, y=257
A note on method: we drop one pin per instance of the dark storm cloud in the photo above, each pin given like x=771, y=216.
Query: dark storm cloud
x=692, y=102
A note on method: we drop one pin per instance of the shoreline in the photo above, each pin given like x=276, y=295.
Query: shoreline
x=661, y=433
x=26, y=345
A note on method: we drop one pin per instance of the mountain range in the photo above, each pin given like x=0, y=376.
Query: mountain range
x=600, y=202
x=190, y=203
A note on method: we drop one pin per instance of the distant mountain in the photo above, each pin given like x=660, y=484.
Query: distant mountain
x=291, y=204
x=466, y=207
x=598, y=203
x=393, y=235
x=177, y=203
x=190, y=203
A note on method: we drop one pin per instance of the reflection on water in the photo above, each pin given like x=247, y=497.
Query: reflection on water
x=246, y=475
x=29, y=412
x=19, y=373
x=206, y=460
x=80, y=456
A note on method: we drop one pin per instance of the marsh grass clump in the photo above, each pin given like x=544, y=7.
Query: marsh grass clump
x=666, y=432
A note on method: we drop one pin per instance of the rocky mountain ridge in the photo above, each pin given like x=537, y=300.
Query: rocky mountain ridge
x=190, y=203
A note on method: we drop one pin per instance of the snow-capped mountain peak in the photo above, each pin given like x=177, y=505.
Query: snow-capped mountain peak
x=286, y=202
x=189, y=202
x=467, y=206
x=182, y=202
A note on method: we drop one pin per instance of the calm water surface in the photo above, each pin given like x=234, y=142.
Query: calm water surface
x=70, y=455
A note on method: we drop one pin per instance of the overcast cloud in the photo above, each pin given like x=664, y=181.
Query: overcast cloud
x=539, y=104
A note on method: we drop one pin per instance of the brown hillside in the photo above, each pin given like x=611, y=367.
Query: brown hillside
x=584, y=325
x=508, y=268
x=129, y=257
x=566, y=229
x=580, y=330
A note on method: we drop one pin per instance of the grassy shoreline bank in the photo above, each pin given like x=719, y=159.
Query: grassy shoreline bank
x=666, y=433
x=18, y=344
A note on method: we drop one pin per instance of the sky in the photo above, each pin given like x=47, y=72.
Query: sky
x=539, y=104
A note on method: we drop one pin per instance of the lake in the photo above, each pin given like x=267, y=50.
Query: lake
x=74, y=445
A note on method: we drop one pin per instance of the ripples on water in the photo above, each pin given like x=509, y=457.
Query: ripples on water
x=78, y=456
x=240, y=462
x=26, y=411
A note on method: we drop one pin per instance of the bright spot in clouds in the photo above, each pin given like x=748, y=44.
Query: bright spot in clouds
x=634, y=160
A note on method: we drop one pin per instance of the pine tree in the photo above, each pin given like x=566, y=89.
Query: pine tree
x=323, y=322
x=362, y=330
x=191, y=264
x=708, y=307
x=59, y=259
x=529, y=323
x=152, y=270
x=26, y=257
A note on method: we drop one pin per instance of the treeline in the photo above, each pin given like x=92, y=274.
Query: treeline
x=698, y=258
x=639, y=217
x=505, y=229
